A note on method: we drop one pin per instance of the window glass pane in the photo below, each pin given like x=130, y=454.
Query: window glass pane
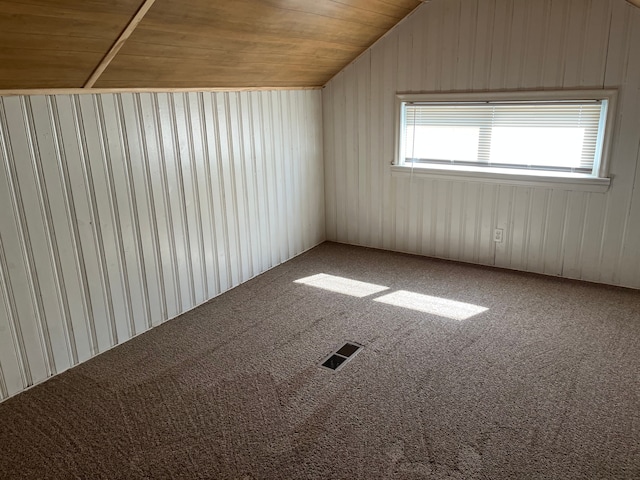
x=442, y=143
x=537, y=146
x=553, y=135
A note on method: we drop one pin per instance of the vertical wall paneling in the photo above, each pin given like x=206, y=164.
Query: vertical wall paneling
x=202, y=181
x=238, y=169
x=217, y=195
x=118, y=199
x=82, y=184
x=133, y=181
x=163, y=202
x=58, y=331
x=476, y=45
x=19, y=288
x=176, y=155
x=124, y=210
x=251, y=208
x=187, y=190
x=329, y=138
x=339, y=206
x=68, y=220
x=267, y=180
x=287, y=178
x=262, y=256
x=14, y=363
x=156, y=235
x=295, y=174
x=403, y=194
x=230, y=192
x=317, y=169
x=623, y=70
x=389, y=78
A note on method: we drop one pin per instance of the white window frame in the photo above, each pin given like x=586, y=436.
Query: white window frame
x=595, y=182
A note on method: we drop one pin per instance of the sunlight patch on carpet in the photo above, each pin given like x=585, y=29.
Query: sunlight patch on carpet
x=434, y=305
x=343, y=285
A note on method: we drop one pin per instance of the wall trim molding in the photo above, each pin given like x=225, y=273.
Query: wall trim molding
x=84, y=91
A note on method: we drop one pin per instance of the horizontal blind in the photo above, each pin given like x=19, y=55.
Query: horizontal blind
x=488, y=116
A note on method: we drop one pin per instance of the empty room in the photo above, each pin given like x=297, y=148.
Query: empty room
x=335, y=239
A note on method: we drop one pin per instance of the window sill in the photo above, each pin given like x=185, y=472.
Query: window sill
x=541, y=179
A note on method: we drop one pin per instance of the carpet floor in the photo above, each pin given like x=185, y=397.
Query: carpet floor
x=466, y=372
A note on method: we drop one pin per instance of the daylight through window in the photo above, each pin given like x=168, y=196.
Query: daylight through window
x=555, y=135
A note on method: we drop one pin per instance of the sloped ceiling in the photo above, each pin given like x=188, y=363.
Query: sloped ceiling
x=188, y=44
x=45, y=44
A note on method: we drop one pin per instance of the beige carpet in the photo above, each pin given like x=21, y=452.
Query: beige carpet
x=545, y=383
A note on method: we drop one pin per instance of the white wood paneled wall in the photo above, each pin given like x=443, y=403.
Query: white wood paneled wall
x=480, y=45
x=120, y=211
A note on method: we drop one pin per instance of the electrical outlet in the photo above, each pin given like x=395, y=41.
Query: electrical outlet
x=498, y=234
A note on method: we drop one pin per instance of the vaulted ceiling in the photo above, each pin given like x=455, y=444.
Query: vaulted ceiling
x=186, y=43
x=163, y=44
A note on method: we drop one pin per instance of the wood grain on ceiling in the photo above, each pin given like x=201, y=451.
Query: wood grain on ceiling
x=187, y=44
x=190, y=43
x=240, y=43
x=45, y=44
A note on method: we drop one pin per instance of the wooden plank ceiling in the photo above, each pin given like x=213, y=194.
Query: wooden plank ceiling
x=45, y=44
x=188, y=43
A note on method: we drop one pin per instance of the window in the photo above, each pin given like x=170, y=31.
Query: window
x=508, y=135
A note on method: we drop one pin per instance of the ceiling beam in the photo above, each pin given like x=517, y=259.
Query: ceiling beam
x=115, y=48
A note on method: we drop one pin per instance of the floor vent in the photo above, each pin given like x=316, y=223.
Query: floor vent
x=336, y=360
